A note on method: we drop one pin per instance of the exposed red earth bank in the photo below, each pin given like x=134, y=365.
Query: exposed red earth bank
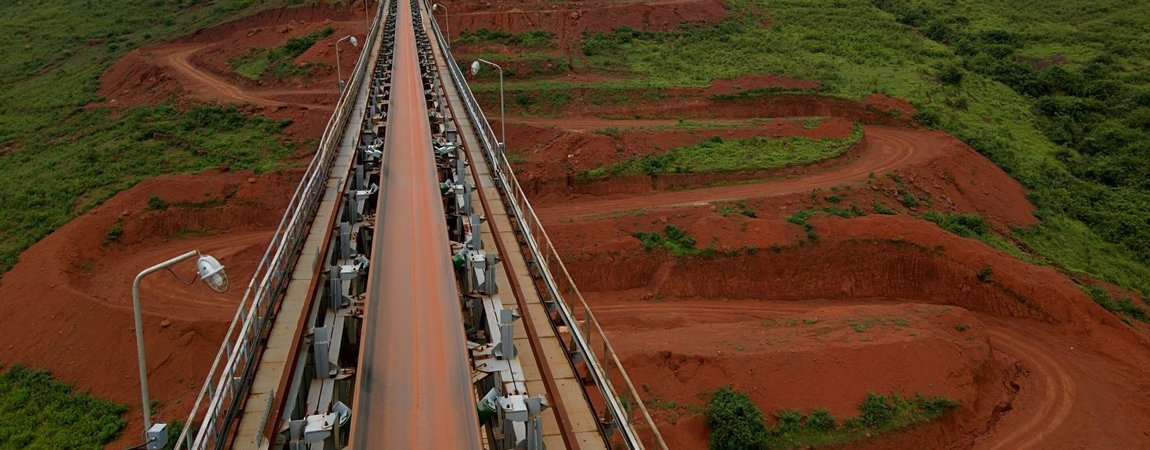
x=1034, y=362
x=67, y=303
x=778, y=315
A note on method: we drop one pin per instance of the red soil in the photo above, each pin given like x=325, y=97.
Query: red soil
x=78, y=286
x=938, y=164
x=573, y=18
x=1025, y=350
x=195, y=69
x=553, y=151
x=1036, y=351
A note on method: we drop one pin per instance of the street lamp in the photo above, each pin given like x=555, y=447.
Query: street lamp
x=212, y=273
x=502, y=123
x=338, y=70
x=366, y=17
x=446, y=19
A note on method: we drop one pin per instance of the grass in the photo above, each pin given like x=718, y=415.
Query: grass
x=280, y=61
x=736, y=423
x=527, y=39
x=60, y=157
x=674, y=240
x=37, y=412
x=738, y=207
x=802, y=218
x=974, y=226
x=882, y=208
x=1071, y=133
x=718, y=155
x=1124, y=308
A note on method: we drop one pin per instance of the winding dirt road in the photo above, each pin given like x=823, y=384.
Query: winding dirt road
x=203, y=84
x=885, y=149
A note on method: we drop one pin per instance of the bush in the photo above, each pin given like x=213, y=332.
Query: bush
x=156, y=203
x=984, y=274
x=788, y=421
x=114, y=233
x=674, y=239
x=965, y=225
x=876, y=410
x=950, y=73
x=881, y=208
x=735, y=422
x=821, y=420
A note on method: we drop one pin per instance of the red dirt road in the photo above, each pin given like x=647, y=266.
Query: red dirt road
x=1035, y=362
x=885, y=149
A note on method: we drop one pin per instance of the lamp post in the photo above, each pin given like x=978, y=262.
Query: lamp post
x=366, y=17
x=502, y=123
x=212, y=273
x=338, y=69
x=446, y=20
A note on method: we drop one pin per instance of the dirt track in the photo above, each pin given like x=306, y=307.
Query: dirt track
x=885, y=149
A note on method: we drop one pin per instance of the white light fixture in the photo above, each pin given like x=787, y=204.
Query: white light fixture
x=338, y=69
x=212, y=273
x=446, y=19
x=502, y=121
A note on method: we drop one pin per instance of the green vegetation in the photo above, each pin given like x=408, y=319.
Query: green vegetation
x=1055, y=93
x=802, y=218
x=37, y=412
x=280, y=61
x=1124, y=308
x=739, y=207
x=157, y=203
x=717, y=155
x=984, y=273
x=59, y=156
x=974, y=226
x=965, y=225
x=528, y=39
x=675, y=240
x=881, y=208
x=736, y=423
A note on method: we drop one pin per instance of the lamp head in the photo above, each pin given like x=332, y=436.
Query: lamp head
x=436, y=7
x=475, y=67
x=212, y=273
x=354, y=42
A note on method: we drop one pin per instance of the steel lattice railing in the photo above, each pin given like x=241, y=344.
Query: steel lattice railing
x=627, y=412
x=230, y=376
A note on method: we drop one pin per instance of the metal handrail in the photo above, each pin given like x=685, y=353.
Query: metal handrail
x=534, y=234
x=225, y=384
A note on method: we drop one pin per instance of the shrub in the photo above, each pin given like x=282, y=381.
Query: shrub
x=876, y=410
x=984, y=274
x=156, y=203
x=788, y=421
x=965, y=225
x=821, y=420
x=114, y=233
x=909, y=200
x=674, y=239
x=1123, y=308
x=950, y=73
x=881, y=208
x=735, y=422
